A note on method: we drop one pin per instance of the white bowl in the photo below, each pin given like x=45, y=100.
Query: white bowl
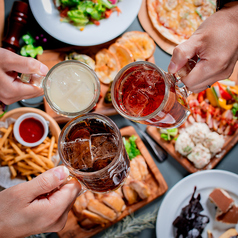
x=23, y=117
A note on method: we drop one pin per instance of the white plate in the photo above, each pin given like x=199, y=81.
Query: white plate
x=48, y=18
x=180, y=194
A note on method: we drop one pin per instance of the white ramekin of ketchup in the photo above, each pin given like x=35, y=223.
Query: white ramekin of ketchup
x=30, y=129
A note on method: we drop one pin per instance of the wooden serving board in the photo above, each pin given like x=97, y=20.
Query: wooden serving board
x=154, y=180
x=230, y=141
x=52, y=57
x=2, y=18
x=163, y=43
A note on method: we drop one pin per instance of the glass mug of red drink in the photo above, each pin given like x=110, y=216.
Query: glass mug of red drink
x=144, y=93
x=91, y=147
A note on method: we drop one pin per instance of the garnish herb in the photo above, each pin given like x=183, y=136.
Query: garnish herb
x=235, y=110
x=131, y=147
x=130, y=225
x=168, y=134
x=187, y=149
x=212, y=3
x=232, y=94
x=199, y=14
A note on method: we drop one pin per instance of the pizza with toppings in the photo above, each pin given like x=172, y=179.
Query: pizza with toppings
x=177, y=20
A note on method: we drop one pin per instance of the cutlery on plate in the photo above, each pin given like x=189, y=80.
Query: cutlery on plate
x=161, y=154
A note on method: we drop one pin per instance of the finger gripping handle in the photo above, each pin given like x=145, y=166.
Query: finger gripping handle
x=183, y=72
x=34, y=79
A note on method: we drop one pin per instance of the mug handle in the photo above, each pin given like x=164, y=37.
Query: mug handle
x=83, y=189
x=184, y=71
x=34, y=79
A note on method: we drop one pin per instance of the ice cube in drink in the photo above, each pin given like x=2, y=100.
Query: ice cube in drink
x=79, y=154
x=103, y=149
x=135, y=102
x=72, y=88
x=142, y=92
x=90, y=146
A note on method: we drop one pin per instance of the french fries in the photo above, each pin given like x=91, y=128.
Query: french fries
x=24, y=161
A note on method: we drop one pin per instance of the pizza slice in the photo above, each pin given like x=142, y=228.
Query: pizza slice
x=177, y=20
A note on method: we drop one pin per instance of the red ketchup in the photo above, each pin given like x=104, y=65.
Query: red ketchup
x=31, y=130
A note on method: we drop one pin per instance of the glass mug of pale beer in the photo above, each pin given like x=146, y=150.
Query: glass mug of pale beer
x=144, y=93
x=70, y=87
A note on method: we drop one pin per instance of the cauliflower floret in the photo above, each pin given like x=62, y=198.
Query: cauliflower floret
x=184, y=144
x=200, y=156
x=198, y=132
x=214, y=142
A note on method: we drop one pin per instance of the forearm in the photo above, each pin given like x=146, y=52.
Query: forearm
x=231, y=9
x=230, y=13
x=220, y=3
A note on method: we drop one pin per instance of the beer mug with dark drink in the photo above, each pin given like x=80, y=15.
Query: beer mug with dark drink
x=91, y=147
x=144, y=93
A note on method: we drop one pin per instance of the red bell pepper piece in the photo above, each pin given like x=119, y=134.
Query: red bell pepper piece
x=97, y=23
x=64, y=12
x=201, y=96
x=223, y=92
x=108, y=13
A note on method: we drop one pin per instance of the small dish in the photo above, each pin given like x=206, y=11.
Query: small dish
x=30, y=129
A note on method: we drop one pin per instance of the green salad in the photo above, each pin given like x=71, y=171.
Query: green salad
x=83, y=12
x=131, y=147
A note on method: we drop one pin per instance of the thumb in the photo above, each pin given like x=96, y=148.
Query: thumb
x=21, y=64
x=46, y=182
x=181, y=54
